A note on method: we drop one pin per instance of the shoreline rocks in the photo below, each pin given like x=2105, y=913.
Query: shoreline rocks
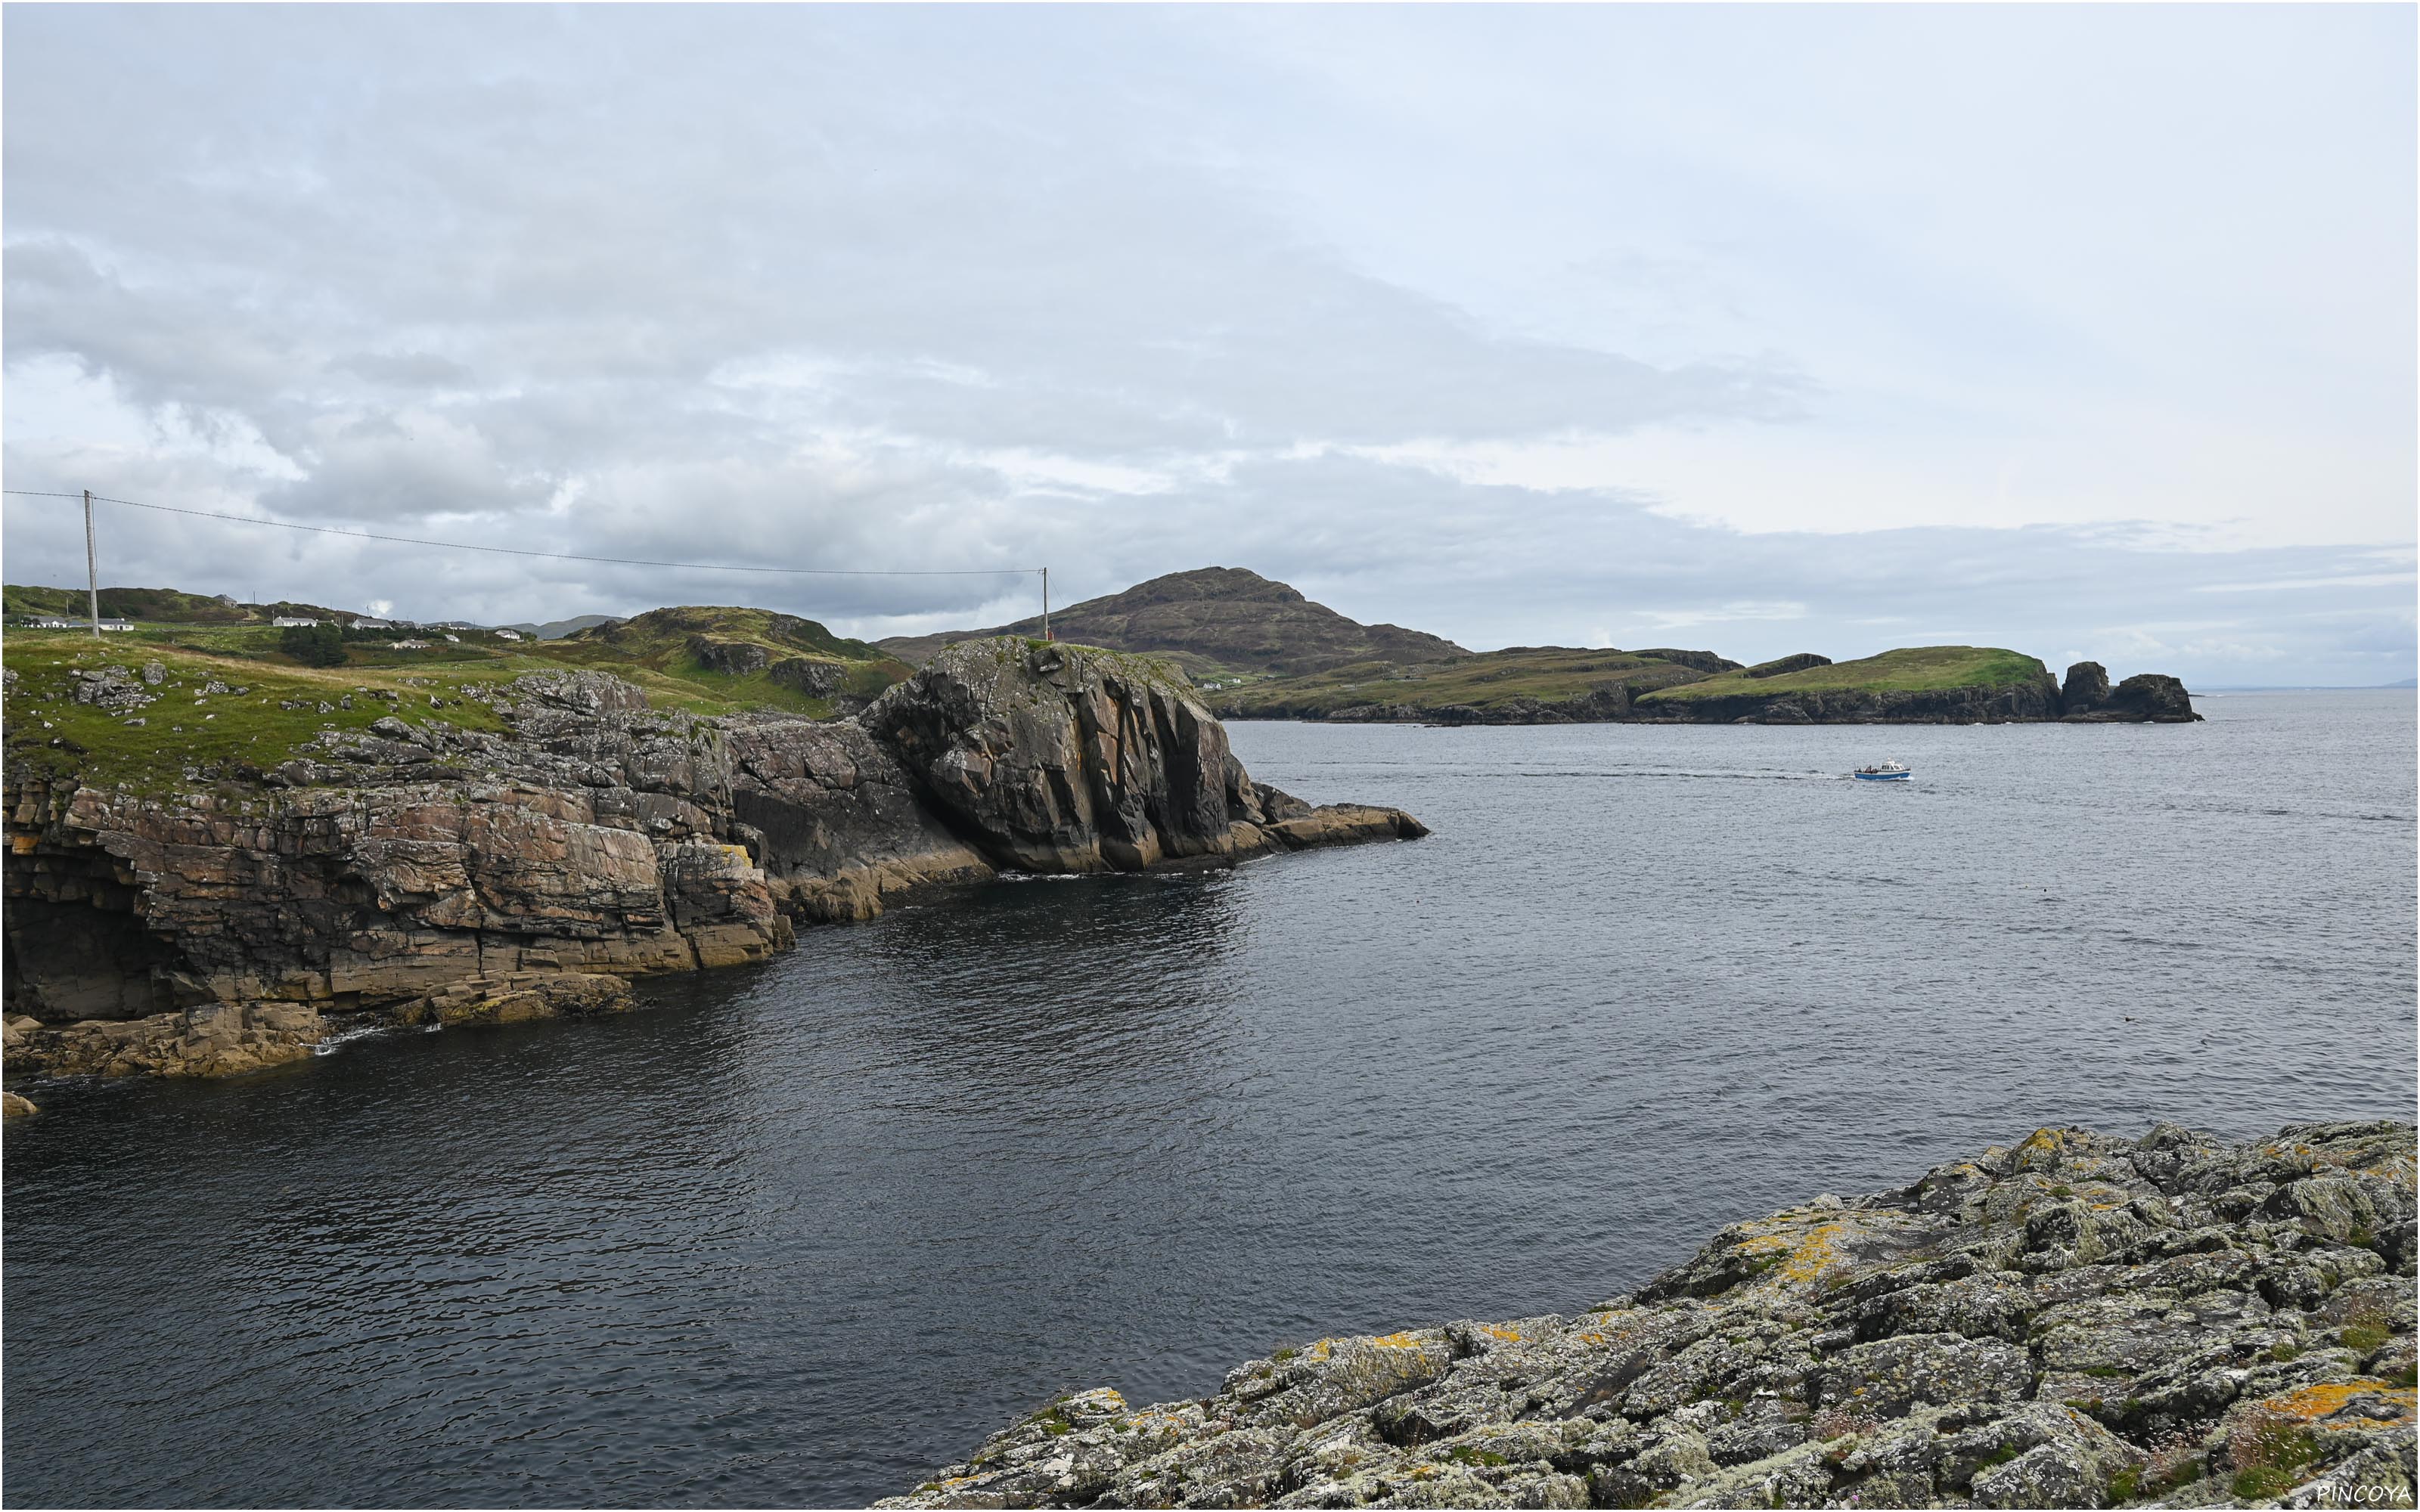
x=430, y=870
x=2078, y=1321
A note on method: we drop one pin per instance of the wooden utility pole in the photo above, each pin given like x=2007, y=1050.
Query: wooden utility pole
x=1045, y=604
x=92, y=568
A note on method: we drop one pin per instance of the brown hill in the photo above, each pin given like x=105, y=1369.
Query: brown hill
x=1214, y=621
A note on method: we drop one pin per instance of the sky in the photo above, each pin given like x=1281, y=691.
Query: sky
x=2085, y=330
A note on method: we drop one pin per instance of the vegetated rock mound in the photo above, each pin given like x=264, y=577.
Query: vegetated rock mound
x=1913, y=685
x=419, y=870
x=1226, y=617
x=2078, y=1321
x=718, y=627
x=1060, y=758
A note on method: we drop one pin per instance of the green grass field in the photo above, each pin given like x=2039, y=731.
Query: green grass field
x=47, y=729
x=1550, y=675
x=1910, y=668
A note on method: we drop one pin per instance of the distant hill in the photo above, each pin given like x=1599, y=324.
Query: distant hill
x=123, y=603
x=557, y=629
x=1215, y=622
x=155, y=605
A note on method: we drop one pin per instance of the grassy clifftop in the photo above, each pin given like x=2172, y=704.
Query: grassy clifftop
x=1908, y=670
x=1488, y=681
x=197, y=719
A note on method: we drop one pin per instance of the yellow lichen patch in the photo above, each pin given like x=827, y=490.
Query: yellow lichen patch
x=1813, y=1255
x=2042, y=1142
x=2328, y=1397
x=1397, y=1341
x=1501, y=1332
x=1322, y=1349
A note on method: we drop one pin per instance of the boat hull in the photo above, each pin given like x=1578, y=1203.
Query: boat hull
x=1881, y=777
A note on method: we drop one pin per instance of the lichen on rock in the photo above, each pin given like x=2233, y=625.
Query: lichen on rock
x=2197, y=1323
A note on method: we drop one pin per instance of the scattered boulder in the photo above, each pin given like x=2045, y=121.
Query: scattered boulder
x=113, y=689
x=13, y=1106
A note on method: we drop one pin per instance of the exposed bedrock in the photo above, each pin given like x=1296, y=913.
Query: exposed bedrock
x=2032, y=699
x=1060, y=758
x=2143, y=698
x=2078, y=1321
x=387, y=871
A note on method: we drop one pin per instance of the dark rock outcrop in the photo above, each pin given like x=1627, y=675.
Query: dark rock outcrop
x=2145, y=698
x=1779, y=665
x=1060, y=758
x=735, y=657
x=816, y=679
x=2078, y=1321
x=1704, y=661
x=2085, y=690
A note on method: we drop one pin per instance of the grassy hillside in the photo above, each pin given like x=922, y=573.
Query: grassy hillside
x=1910, y=668
x=280, y=712
x=166, y=605
x=1491, y=679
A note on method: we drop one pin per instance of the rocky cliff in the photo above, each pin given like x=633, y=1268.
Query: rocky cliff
x=2078, y=1321
x=419, y=868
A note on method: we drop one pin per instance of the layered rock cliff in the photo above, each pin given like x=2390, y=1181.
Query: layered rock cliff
x=2078, y=1321
x=426, y=869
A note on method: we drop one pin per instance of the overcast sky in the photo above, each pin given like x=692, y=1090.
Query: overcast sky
x=2087, y=331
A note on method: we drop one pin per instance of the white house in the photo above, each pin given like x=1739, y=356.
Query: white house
x=508, y=635
x=408, y=645
x=293, y=619
x=117, y=624
x=365, y=623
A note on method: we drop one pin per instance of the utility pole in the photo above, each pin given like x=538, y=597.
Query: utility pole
x=1045, y=604
x=91, y=567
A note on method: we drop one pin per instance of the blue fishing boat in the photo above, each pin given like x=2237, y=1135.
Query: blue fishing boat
x=1885, y=772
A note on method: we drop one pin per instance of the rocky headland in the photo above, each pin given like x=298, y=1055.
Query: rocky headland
x=2075, y=1322
x=423, y=869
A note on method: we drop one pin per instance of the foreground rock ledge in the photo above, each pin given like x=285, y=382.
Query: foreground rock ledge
x=428, y=870
x=2077, y=1322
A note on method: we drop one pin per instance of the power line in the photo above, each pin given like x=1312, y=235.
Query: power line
x=552, y=556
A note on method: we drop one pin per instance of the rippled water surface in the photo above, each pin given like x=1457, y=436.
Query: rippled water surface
x=810, y=1229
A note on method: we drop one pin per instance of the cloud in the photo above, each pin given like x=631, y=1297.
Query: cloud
x=1124, y=292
